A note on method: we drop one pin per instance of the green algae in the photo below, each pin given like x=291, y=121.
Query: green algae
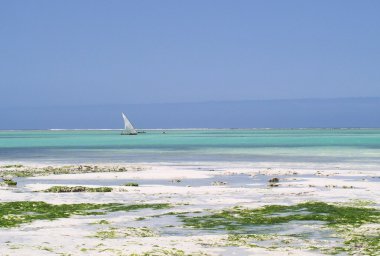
x=23, y=171
x=178, y=214
x=366, y=245
x=12, y=166
x=113, y=232
x=238, y=218
x=10, y=182
x=101, y=222
x=357, y=203
x=168, y=252
x=45, y=248
x=357, y=226
x=104, y=234
x=131, y=184
x=66, y=189
x=13, y=214
x=15, y=173
x=362, y=240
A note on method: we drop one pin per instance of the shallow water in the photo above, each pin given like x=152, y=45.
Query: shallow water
x=229, y=145
x=239, y=180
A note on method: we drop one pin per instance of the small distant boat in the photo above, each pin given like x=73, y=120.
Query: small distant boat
x=128, y=127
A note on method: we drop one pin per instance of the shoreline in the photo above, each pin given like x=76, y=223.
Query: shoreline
x=190, y=190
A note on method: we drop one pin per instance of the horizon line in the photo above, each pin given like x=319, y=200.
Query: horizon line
x=185, y=129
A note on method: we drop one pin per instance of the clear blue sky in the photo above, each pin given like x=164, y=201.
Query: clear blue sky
x=101, y=52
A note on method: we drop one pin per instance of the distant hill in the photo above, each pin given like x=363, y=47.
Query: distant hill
x=297, y=113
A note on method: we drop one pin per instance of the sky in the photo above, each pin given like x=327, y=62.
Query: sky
x=58, y=53
x=78, y=64
x=306, y=113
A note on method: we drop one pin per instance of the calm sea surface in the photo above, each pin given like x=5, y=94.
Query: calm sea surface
x=359, y=146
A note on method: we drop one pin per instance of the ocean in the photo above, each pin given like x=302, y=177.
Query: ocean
x=330, y=146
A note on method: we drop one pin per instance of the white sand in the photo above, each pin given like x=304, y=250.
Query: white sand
x=246, y=185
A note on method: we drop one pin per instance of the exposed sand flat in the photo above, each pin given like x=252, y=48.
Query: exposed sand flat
x=187, y=188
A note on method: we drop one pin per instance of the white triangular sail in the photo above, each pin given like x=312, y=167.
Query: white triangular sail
x=128, y=127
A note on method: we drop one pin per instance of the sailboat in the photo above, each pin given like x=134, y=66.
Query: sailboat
x=128, y=127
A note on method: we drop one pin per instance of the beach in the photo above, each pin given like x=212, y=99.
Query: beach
x=310, y=201
x=189, y=128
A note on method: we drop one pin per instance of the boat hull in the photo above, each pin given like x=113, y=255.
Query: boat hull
x=123, y=133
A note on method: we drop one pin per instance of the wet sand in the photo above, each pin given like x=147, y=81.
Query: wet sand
x=193, y=190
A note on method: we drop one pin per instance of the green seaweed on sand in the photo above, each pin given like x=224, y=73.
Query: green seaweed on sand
x=12, y=166
x=15, y=213
x=101, y=222
x=368, y=245
x=104, y=234
x=238, y=218
x=168, y=252
x=131, y=184
x=66, y=189
x=358, y=203
x=113, y=232
x=10, y=182
x=24, y=171
x=17, y=173
x=357, y=226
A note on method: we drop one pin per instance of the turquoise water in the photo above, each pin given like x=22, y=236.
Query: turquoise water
x=262, y=145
